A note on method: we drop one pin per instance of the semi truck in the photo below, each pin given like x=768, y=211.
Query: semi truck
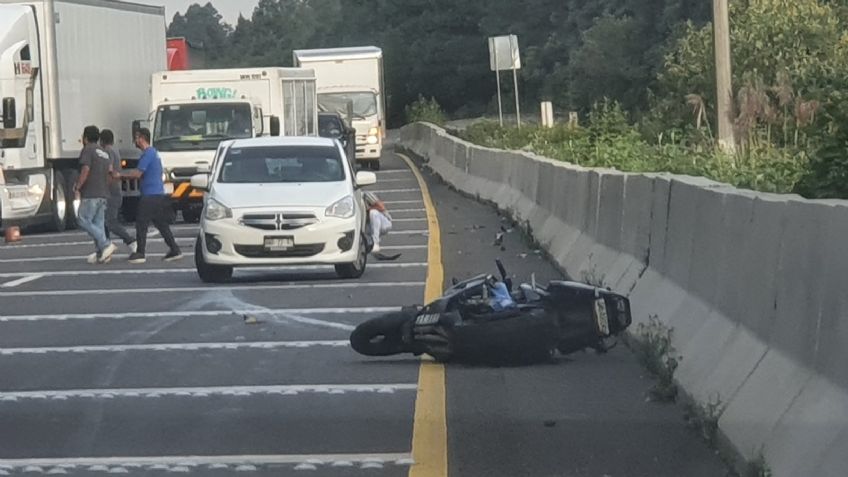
x=184, y=55
x=193, y=111
x=65, y=64
x=350, y=82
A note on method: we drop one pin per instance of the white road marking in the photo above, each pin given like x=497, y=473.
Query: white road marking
x=20, y=281
x=87, y=242
x=408, y=232
x=204, y=391
x=393, y=191
x=290, y=286
x=406, y=210
x=411, y=180
x=403, y=202
x=153, y=233
x=393, y=171
x=265, y=345
x=200, y=313
x=68, y=258
x=164, y=271
x=411, y=219
x=201, y=463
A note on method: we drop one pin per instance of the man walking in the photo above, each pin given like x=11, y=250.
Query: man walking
x=154, y=206
x=115, y=200
x=92, y=187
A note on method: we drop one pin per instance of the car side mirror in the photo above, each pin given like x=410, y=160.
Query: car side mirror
x=10, y=114
x=200, y=181
x=275, y=125
x=365, y=178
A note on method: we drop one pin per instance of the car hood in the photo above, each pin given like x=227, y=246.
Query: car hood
x=245, y=196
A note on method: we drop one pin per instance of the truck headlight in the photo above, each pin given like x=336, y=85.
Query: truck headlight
x=372, y=140
x=373, y=136
x=342, y=209
x=217, y=211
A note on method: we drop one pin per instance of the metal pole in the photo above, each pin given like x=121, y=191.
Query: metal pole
x=517, y=107
x=498, y=76
x=724, y=87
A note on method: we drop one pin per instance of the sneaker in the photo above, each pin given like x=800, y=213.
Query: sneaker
x=137, y=258
x=376, y=248
x=107, y=253
x=173, y=255
x=104, y=261
x=133, y=246
x=92, y=259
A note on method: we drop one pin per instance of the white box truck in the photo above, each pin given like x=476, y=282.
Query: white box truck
x=350, y=82
x=193, y=111
x=65, y=64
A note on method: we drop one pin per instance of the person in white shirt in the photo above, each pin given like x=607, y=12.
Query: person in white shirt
x=379, y=219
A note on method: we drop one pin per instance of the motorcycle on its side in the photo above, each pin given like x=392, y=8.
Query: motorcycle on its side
x=483, y=319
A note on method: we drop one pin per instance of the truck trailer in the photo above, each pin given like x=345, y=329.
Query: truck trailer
x=350, y=82
x=65, y=64
x=193, y=111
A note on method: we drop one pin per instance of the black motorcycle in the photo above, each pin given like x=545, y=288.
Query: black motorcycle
x=483, y=319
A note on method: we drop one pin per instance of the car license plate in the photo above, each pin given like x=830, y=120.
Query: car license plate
x=279, y=243
x=601, y=316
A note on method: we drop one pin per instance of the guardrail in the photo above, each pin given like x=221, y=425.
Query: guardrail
x=754, y=285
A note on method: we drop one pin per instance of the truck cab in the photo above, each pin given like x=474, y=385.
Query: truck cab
x=195, y=110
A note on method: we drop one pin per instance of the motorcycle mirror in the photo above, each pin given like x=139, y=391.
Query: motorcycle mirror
x=533, y=280
x=454, y=281
x=501, y=269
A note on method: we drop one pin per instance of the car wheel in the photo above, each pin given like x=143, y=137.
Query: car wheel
x=357, y=268
x=209, y=273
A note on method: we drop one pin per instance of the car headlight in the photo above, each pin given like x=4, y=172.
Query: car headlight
x=342, y=209
x=217, y=211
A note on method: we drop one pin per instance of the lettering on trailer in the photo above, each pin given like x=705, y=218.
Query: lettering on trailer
x=254, y=76
x=23, y=68
x=216, y=93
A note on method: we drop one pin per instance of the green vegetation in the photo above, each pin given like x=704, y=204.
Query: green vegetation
x=653, y=348
x=639, y=72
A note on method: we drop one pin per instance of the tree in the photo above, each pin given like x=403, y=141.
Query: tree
x=203, y=26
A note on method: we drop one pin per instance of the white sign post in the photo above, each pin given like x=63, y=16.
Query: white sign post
x=504, y=55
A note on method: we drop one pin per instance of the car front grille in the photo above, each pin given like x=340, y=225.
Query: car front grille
x=281, y=221
x=298, y=251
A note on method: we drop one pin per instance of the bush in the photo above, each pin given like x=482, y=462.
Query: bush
x=425, y=110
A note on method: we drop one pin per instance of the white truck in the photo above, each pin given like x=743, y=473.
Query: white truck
x=350, y=82
x=193, y=111
x=65, y=64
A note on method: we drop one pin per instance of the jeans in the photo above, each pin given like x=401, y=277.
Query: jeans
x=113, y=224
x=154, y=209
x=91, y=218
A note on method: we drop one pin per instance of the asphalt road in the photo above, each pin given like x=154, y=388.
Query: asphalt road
x=145, y=370
x=148, y=371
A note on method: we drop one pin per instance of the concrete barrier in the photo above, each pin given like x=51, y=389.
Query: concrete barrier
x=753, y=285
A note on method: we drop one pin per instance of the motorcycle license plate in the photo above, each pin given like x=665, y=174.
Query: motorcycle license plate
x=427, y=319
x=279, y=243
x=601, y=316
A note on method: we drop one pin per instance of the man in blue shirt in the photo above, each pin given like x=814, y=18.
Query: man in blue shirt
x=154, y=206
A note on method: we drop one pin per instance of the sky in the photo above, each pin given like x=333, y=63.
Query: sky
x=229, y=8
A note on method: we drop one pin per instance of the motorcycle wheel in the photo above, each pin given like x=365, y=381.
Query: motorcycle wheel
x=381, y=336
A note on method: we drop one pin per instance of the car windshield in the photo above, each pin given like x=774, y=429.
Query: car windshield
x=200, y=127
x=281, y=164
x=364, y=103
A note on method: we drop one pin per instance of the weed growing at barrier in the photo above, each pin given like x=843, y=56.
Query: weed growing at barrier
x=704, y=418
x=759, y=467
x=425, y=110
x=656, y=353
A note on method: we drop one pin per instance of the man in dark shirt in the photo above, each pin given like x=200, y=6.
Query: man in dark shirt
x=115, y=200
x=154, y=205
x=92, y=187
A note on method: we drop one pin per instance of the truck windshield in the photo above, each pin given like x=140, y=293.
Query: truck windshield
x=282, y=164
x=364, y=104
x=200, y=127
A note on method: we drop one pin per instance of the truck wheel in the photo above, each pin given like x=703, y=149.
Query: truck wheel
x=129, y=209
x=59, y=207
x=357, y=268
x=375, y=165
x=209, y=273
x=72, y=205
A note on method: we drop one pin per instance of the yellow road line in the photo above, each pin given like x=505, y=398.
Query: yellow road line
x=430, y=429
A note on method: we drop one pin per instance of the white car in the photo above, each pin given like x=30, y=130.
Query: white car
x=281, y=201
